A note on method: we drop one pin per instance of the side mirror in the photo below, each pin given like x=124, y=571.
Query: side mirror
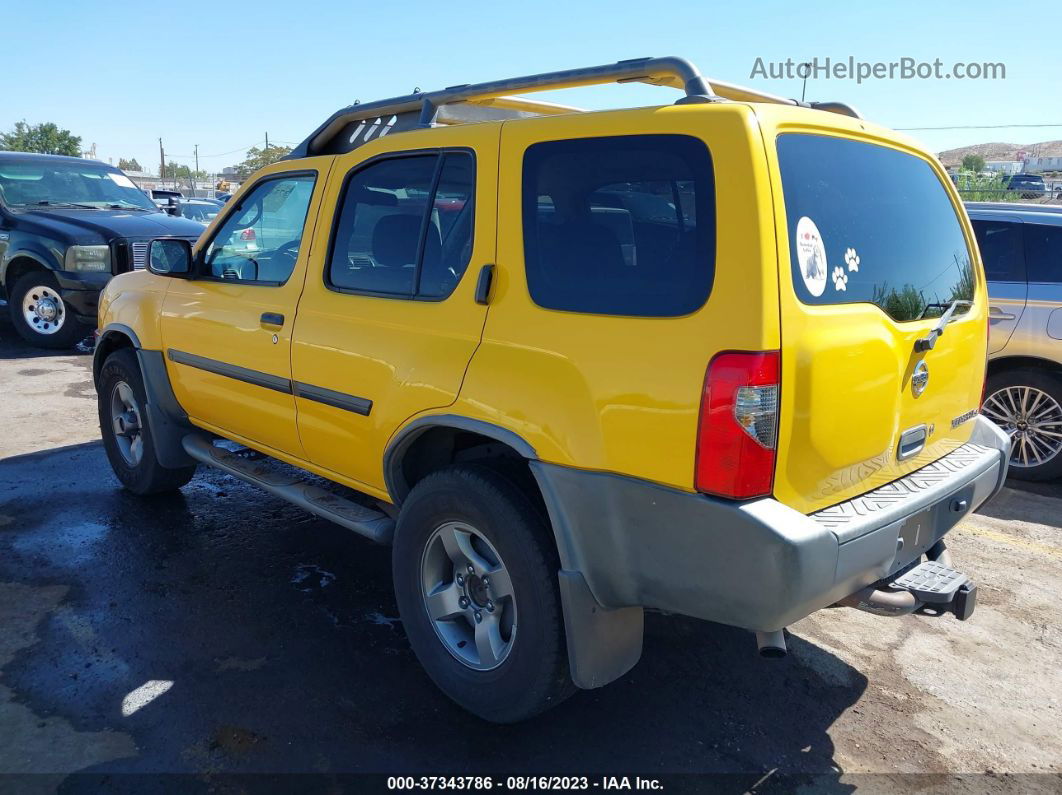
x=170, y=257
x=172, y=207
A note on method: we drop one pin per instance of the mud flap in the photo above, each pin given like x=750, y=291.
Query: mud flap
x=603, y=644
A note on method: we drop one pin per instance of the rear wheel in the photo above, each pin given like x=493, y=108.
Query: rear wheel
x=39, y=313
x=475, y=573
x=1027, y=404
x=126, y=433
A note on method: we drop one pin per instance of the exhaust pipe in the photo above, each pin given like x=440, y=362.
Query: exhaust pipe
x=771, y=644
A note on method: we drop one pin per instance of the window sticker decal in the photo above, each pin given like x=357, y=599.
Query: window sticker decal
x=852, y=259
x=811, y=256
x=840, y=279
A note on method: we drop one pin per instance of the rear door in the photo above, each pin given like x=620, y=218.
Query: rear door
x=388, y=320
x=1001, y=243
x=872, y=249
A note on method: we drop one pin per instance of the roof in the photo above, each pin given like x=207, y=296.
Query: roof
x=34, y=156
x=1036, y=213
x=357, y=124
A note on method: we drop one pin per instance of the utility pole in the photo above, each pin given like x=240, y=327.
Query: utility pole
x=267, y=142
x=195, y=176
x=162, y=162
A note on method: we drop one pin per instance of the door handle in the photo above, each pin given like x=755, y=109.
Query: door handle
x=995, y=313
x=272, y=319
x=483, y=284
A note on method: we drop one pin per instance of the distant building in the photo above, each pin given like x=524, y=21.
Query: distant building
x=1004, y=166
x=1038, y=165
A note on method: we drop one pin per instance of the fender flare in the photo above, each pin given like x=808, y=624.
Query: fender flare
x=168, y=421
x=403, y=439
x=23, y=253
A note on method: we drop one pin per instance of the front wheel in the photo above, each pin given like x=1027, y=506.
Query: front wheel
x=39, y=313
x=475, y=574
x=1027, y=404
x=126, y=433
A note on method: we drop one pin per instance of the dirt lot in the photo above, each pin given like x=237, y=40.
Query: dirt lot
x=222, y=631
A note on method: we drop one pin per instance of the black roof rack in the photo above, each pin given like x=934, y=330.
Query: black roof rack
x=358, y=124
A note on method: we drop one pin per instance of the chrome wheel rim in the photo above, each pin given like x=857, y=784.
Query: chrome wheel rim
x=468, y=596
x=1032, y=418
x=43, y=310
x=126, y=423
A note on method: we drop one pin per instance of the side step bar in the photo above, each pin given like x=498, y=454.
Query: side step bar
x=372, y=524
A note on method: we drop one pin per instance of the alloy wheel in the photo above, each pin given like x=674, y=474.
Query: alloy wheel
x=468, y=596
x=1032, y=418
x=127, y=424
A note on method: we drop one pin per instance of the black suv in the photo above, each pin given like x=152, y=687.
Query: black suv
x=66, y=226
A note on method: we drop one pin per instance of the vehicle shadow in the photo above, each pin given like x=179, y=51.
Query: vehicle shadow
x=13, y=346
x=281, y=640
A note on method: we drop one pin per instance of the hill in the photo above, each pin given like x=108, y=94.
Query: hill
x=1001, y=151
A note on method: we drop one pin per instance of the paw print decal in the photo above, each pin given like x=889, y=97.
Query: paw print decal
x=840, y=279
x=852, y=259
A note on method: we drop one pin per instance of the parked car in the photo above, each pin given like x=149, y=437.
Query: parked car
x=66, y=226
x=1031, y=185
x=769, y=407
x=1021, y=247
x=202, y=211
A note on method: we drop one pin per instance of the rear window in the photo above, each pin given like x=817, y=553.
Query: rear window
x=1001, y=250
x=621, y=225
x=868, y=224
x=1043, y=253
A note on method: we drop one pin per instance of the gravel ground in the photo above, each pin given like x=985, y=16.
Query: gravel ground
x=222, y=631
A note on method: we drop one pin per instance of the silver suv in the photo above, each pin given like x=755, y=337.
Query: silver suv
x=1021, y=246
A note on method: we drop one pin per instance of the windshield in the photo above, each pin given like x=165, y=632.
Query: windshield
x=60, y=183
x=869, y=224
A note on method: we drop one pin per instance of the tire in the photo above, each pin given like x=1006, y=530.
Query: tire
x=1043, y=394
x=57, y=328
x=132, y=454
x=528, y=673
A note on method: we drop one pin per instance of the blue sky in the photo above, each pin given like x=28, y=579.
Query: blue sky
x=221, y=74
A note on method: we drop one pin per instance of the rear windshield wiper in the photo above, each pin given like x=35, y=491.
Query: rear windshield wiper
x=928, y=342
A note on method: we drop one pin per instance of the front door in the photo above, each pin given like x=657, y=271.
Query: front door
x=227, y=330
x=388, y=321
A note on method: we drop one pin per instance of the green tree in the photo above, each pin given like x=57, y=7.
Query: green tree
x=974, y=163
x=45, y=138
x=260, y=158
x=129, y=165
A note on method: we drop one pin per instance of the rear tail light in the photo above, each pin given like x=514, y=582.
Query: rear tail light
x=738, y=432
x=247, y=234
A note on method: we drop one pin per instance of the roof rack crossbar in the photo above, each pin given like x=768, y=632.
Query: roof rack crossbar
x=422, y=109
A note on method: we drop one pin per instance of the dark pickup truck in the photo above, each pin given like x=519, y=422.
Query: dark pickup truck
x=67, y=225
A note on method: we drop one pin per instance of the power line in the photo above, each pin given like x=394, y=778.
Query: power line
x=976, y=127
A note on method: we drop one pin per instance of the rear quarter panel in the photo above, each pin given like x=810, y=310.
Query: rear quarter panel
x=621, y=394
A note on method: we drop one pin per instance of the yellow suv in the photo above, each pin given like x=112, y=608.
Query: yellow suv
x=721, y=358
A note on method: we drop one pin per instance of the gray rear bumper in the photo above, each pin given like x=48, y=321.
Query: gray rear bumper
x=757, y=564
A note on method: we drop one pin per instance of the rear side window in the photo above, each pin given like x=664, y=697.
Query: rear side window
x=621, y=225
x=405, y=227
x=869, y=224
x=1001, y=250
x=1043, y=253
